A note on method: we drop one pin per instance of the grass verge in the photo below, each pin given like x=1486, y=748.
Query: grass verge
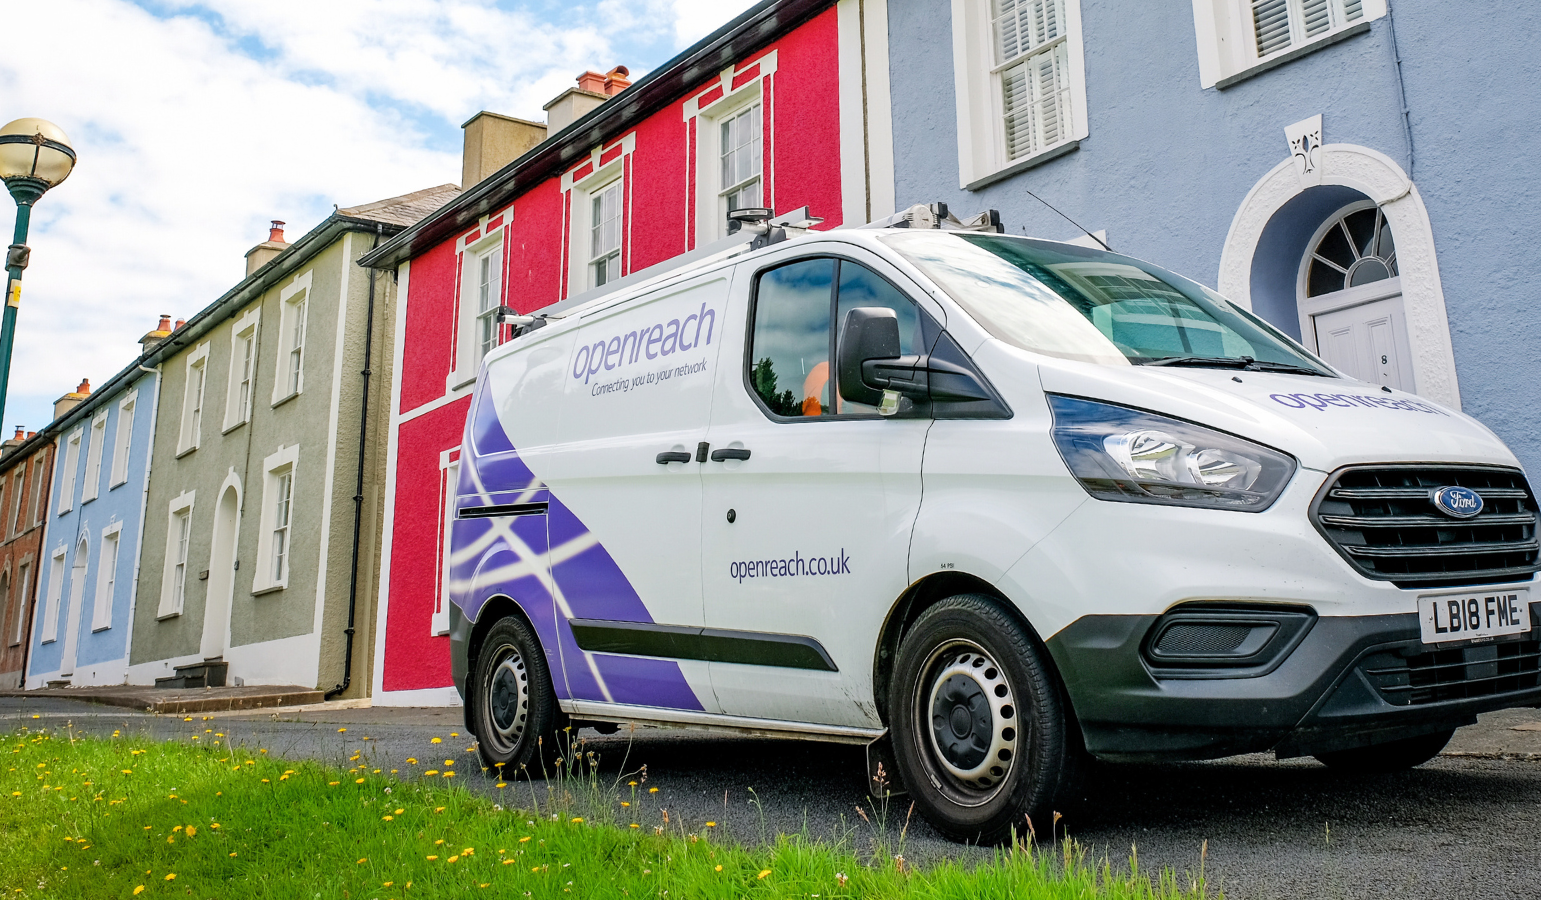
x=120, y=817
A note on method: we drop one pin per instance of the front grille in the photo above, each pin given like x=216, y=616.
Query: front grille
x=1384, y=522
x=1416, y=678
x=1202, y=640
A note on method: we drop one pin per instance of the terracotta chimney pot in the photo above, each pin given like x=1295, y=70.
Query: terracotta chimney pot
x=591, y=81
x=85, y=386
x=21, y=431
x=180, y=323
x=276, y=231
x=165, y=323
x=616, y=80
x=31, y=435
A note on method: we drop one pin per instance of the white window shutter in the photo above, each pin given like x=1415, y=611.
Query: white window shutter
x=1271, y=25
x=1316, y=16
x=1353, y=10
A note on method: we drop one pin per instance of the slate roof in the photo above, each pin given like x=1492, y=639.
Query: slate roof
x=408, y=209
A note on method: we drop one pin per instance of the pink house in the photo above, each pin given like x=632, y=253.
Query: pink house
x=785, y=107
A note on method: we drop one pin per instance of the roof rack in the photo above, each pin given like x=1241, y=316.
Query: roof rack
x=748, y=229
x=937, y=216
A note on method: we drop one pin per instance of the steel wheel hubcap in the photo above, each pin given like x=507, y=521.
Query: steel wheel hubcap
x=972, y=714
x=508, y=696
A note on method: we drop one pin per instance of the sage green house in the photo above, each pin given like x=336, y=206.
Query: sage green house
x=263, y=510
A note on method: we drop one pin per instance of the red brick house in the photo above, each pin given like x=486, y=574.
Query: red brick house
x=785, y=107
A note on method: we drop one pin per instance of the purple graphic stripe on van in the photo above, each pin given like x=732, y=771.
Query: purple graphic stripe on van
x=514, y=557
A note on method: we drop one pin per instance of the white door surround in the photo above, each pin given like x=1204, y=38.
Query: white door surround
x=221, y=589
x=1431, y=359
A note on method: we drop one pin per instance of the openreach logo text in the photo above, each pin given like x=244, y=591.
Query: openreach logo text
x=794, y=566
x=1348, y=401
x=653, y=341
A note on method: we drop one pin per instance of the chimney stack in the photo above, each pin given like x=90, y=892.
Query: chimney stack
x=576, y=102
x=160, y=333
x=73, y=399
x=259, y=255
x=492, y=142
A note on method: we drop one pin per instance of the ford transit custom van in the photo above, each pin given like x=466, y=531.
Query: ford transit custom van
x=992, y=505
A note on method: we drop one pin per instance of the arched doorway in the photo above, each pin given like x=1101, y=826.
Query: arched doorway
x=77, y=600
x=216, y=611
x=1350, y=297
x=1390, y=303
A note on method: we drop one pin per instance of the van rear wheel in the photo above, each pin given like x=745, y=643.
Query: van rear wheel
x=981, y=736
x=513, y=704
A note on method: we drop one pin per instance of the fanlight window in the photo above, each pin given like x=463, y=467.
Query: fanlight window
x=1356, y=249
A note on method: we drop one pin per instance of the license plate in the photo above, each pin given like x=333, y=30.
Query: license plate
x=1464, y=617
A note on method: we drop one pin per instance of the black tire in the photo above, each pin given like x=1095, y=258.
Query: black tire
x=1392, y=756
x=513, y=706
x=982, y=736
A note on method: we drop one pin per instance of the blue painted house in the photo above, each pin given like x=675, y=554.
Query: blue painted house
x=1357, y=172
x=89, y=560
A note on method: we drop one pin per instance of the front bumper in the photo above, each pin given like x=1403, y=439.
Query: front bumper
x=1342, y=686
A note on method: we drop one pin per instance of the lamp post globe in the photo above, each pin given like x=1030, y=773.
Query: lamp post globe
x=35, y=155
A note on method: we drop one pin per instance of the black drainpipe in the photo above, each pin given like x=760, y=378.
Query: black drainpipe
x=358, y=490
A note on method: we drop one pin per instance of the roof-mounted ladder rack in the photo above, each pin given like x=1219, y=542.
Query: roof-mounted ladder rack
x=936, y=216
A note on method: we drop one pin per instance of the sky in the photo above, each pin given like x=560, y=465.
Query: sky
x=198, y=121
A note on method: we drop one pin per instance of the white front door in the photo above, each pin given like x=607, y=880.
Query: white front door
x=1367, y=340
x=73, y=612
x=805, y=543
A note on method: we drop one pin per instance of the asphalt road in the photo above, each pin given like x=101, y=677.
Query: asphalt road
x=1465, y=825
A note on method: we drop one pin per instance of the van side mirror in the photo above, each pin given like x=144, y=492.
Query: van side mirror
x=868, y=333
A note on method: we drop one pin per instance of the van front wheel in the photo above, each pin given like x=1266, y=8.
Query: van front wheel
x=514, y=707
x=981, y=737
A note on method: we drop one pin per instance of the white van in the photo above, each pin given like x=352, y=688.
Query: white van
x=1004, y=503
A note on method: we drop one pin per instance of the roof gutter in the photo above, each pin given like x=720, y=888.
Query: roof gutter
x=756, y=27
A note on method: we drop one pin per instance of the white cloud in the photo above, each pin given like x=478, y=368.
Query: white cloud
x=197, y=121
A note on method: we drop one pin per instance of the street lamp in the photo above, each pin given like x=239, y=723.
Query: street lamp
x=35, y=155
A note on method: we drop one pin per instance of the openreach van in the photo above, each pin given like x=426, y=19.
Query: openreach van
x=991, y=505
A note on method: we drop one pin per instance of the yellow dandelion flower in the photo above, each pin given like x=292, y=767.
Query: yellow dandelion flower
x=578, y=820
x=763, y=873
x=329, y=783
x=363, y=860
x=386, y=818
x=455, y=858
x=711, y=824
x=171, y=876
x=635, y=825
x=438, y=809
x=358, y=781
x=400, y=811
x=437, y=741
x=449, y=774
x=341, y=730
x=652, y=790
x=508, y=862
x=501, y=784
x=523, y=839
x=719, y=868
x=283, y=778
x=431, y=858
x=485, y=884
x=534, y=868
x=624, y=803
x=438, y=842
x=449, y=762
x=431, y=772
x=138, y=890
x=632, y=783
x=232, y=854
x=265, y=781
x=469, y=851
x=388, y=884
x=454, y=734
x=127, y=771
x=191, y=830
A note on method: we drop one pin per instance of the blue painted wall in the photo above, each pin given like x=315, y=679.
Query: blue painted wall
x=120, y=503
x=1167, y=164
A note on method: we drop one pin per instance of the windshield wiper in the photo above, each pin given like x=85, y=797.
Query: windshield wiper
x=1233, y=362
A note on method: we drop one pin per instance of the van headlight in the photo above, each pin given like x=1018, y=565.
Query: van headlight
x=1118, y=453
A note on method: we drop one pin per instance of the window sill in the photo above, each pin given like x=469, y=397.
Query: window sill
x=85, y=500
x=1022, y=165
x=270, y=589
x=234, y=425
x=100, y=628
x=1291, y=56
x=286, y=398
x=117, y=484
x=164, y=616
x=184, y=451
x=457, y=380
x=49, y=641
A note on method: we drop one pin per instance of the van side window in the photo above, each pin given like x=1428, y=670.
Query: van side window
x=798, y=308
x=791, y=341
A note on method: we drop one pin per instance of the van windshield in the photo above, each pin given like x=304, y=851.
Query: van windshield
x=1092, y=305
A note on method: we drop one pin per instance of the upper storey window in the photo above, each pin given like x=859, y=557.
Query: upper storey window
x=1241, y=38
x=741, y=160
x=605, y=235
x=1021, y=93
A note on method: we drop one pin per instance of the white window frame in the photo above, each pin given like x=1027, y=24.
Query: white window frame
x=123, y=439
x=603, y=263
x=581, y=191
x=711, y=212
x=39, y=465
x=195, y=400
x=94, y=449
x=294, y=306
x=13, y=637
x=982, y=156
x=179, y=529
x=484, y=243
x=1227, y=42
x=243, y=369
x=107, y=576
x=19, y=488
x=67, y=477
x=486, y=297
x=284, y=462
x=50, y=630
x=19, y=590
x=449, y=479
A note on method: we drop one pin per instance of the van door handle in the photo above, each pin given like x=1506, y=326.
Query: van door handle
x=673, y=456
x=730, y=453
